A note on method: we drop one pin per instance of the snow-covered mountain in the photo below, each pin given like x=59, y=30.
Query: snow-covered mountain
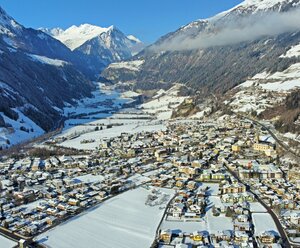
x=37, y=79
x=255, y=43
x=75, y=36
x=101, y=45
x=217, y=53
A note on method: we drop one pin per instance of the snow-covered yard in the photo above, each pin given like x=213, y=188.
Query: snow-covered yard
x=123, y=221
x=256, y=207
x=184, y=226
x=90, y=178
x=219, y=223
x=264, y=222
x=6, y=243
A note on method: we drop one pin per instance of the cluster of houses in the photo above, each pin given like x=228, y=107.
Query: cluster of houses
x=37, y=194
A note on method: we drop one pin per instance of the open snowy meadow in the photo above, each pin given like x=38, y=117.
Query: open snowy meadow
x=122, y=221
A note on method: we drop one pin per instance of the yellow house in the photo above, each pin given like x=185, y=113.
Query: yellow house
x=180, y=184
x=218, y=176
x=262, y=147
x=166, y=236
x=236, y=148
x=196, y=236
x=204, y=177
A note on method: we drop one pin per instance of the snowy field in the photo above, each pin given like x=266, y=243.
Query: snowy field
x=99, y=136
x=264, y=222
x=164, y=102
x=103, y=100
x=88, y=120
x=123, y=221
x=6, y=243
x=139, y=179
x=256, y=207
x=213, y=188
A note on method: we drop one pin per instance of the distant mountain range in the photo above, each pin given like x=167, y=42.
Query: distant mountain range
x=101, y=46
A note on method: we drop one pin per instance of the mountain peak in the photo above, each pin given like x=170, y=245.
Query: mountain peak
x=75, y=36
x=7, y=24
x=260, y=5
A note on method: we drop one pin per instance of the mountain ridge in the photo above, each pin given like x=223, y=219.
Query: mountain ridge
x=101, y=46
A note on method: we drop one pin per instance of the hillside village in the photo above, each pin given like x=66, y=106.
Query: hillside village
x=230, y=187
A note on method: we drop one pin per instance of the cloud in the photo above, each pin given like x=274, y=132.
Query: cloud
x=236, y=31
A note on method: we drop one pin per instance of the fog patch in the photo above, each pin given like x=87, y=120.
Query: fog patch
x=232, y=32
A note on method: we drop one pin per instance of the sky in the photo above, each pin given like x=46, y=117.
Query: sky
x=146, y=19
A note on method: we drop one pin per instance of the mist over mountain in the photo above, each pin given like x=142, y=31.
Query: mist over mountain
x=218, y=53
x=247, y=28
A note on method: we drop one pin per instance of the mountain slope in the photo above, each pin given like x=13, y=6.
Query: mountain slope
x=216, y=54
x=37, y=78
x=101, y=46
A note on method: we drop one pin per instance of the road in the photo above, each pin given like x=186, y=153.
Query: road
x=285, y=240
x=278, y=141
x=10, y=235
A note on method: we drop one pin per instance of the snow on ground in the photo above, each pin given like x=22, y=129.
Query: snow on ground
x=100, y=111
x=294, y=51
x=102, y=100
x=198, y=115
x=256, y=207
x=129, y=94
x=122, y=221
x=265, y=90
x=90, y=118
x=213, y=188
x=32, y=205
x=184, y=226
x=210, y=223
x=216, y=224
x=164, y=102
x=134, y=65
x=99, y=136
x=264, y=222
x=278, y=81
x=254, y=99
x=46, y=60
x=90, y=178
x=15, y=134
x=6, y=243
x=139, y=179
